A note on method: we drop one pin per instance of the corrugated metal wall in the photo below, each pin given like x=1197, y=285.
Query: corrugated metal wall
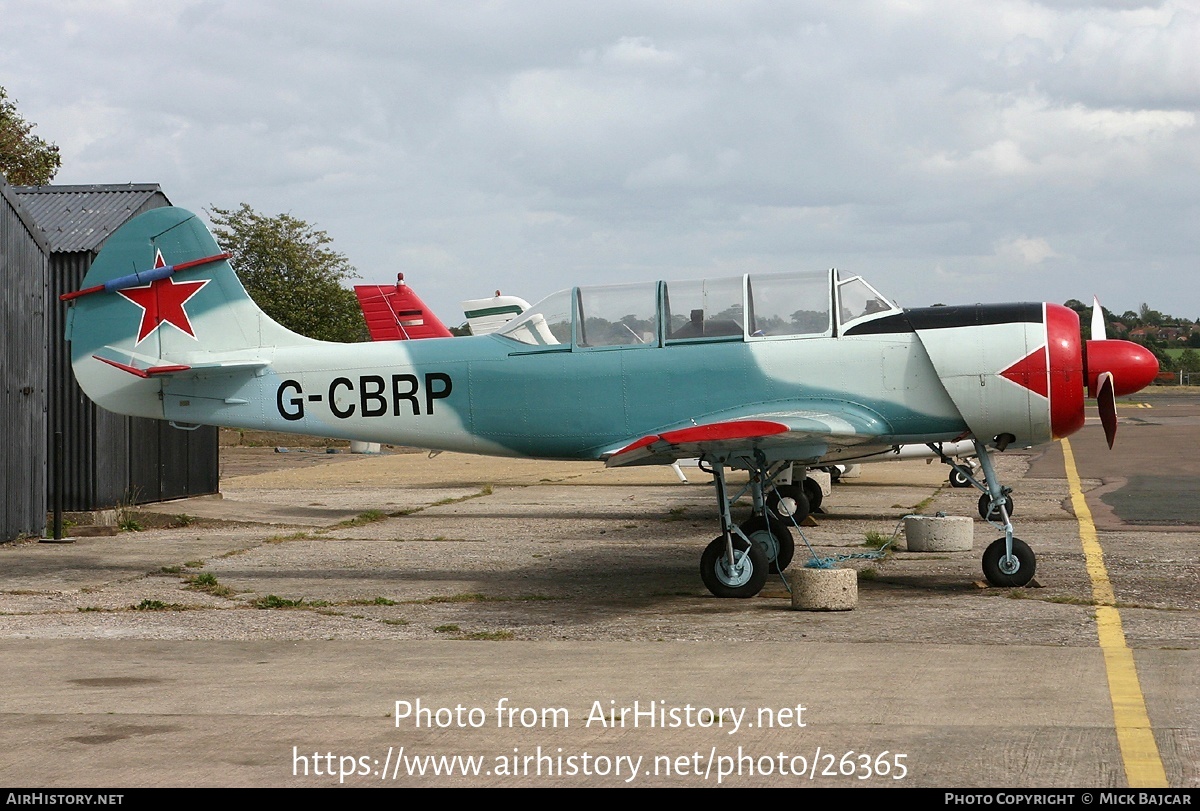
x=111, y=459
x=23, y=270
x=95, y=455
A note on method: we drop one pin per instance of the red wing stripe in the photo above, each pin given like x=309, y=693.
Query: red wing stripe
x=740, y=429
x=714, y=432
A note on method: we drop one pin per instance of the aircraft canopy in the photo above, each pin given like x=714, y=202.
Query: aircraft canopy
x=755, y=306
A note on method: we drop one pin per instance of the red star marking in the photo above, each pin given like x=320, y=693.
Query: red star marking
x=162, y=303
x=1030, y=372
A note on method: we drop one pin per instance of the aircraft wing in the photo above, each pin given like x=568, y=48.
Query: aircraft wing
x=799, y=434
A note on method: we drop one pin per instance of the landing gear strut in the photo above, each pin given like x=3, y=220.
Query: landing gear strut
x=736, y=563
x=1008, y=561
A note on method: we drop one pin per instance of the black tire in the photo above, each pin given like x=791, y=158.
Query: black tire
x=812, y=491
x=985, y=501
x=745, y=582
x=775, y=539
x=958, y=479
x=794, y=492
x=995, y=571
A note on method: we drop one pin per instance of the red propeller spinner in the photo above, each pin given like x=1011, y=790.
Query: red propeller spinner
x=1114, y=368
x=1107, y=367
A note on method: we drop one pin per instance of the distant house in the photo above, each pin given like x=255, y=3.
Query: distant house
x=110, y=459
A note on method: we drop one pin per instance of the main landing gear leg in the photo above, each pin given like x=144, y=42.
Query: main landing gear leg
x=731, y=566
x=767, y=528
x=1008, y=561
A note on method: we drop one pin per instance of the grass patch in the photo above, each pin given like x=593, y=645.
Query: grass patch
x=362, y=519
x=396, y=621
x=375, y=601
x=273, y=601
x=489, y=636
x=184, y=520
x=447, y=629
x=468, y=597
x=194, y=564
x=868, y=574
x=675, y=514
x=129, y=524
x=157, y=605
x=486, y=490
x=876, y=540
x=86, y=608
x=207, y=583
x=172, y=569
x=295, y=536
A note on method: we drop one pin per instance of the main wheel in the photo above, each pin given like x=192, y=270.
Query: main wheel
x=775, y=539
x=789, y=501
x=744, y=579
x=1007, y=573
x=958, y=478
x=812, y=491
x=985, y=501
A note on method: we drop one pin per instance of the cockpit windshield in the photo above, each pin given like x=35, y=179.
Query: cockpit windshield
x=857, y=300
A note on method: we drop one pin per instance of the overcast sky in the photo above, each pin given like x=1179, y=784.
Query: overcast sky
x=959, y=151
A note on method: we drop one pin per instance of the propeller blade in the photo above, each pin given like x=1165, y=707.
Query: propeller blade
x=1099, y=333
x=1106, y=399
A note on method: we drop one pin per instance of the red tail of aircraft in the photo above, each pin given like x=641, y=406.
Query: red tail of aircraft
x=397, y=313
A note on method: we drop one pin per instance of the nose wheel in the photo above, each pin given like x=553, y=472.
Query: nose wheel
x=1009, y=571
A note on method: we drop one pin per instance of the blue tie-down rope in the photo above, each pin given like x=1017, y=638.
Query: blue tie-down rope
x=816, y=562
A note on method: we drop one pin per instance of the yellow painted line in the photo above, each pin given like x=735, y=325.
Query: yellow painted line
x=1143, y=766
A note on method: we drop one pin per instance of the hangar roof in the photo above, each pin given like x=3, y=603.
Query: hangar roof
x=81, y=218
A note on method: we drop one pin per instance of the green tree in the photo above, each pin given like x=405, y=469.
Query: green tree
x=25, y=159
x=1189, y=360
x=288, y=269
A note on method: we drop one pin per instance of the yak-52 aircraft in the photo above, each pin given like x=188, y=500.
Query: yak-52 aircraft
x=760, y=372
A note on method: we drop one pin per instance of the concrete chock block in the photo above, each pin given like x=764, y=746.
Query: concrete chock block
x=824, y=589
x=363, y=447
x=927, y=533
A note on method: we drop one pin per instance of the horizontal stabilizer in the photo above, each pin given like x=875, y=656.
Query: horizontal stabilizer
x=147, y=367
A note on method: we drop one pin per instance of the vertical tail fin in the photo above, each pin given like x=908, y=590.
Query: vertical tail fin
x=161, y=299
x=397, y=313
